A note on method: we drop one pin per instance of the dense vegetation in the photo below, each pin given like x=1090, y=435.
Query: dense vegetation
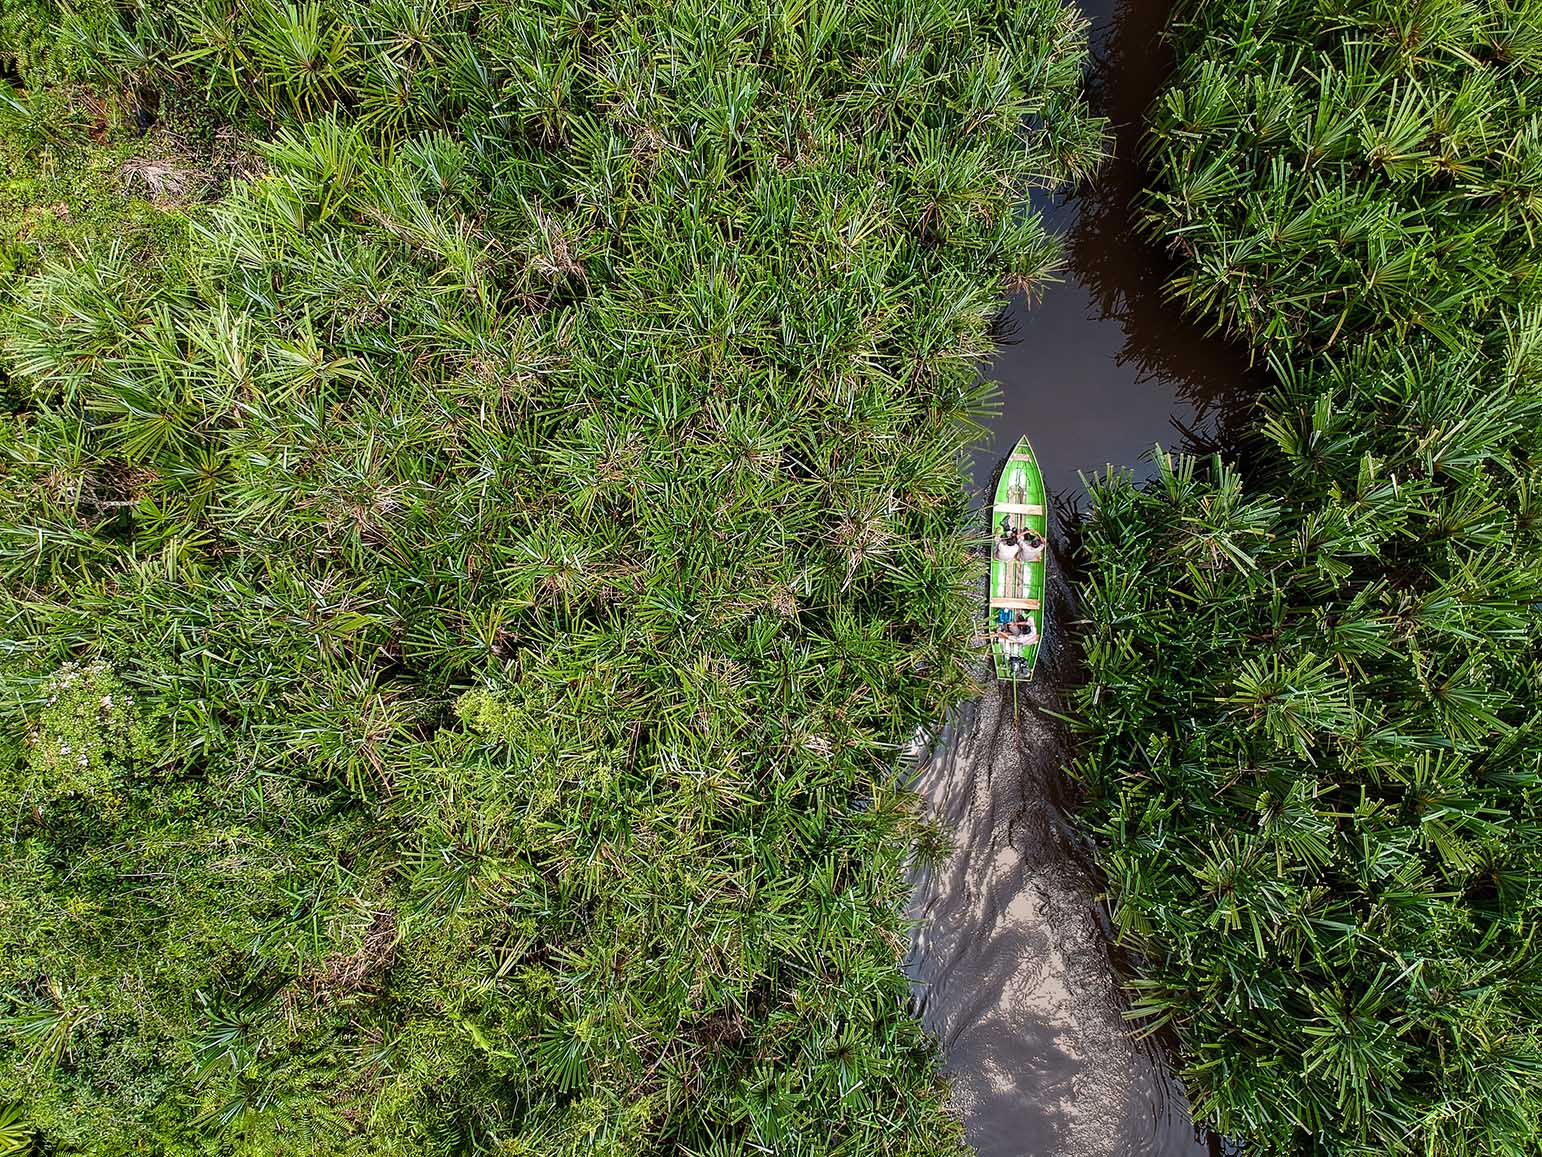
x=1311, y=745
x=1327, y=170
x=471, y=552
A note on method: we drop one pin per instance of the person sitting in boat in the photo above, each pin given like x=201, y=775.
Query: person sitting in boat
x=1031, y=546
x=1025, y=632
x=1007, y=548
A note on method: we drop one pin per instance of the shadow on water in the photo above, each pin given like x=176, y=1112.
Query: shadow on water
x=1104, y=366
x=1011, y=963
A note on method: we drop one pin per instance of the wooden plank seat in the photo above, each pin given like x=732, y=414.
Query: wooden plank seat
x=1015, y=604
x=1018, y=508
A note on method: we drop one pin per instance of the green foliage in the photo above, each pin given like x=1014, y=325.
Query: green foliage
x=1329, y=169
x=1309, y=734
x=88, y=731
x=15, y=1137
x=39, y=42
x=71, y=185
x=1312, y=758
x=531, y=515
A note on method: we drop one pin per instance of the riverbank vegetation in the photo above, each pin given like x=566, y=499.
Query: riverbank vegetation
x=1369, y=167
x=470, y=561
x=1311, y=742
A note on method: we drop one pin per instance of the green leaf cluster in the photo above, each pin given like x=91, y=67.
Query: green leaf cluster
x=1313, y=761
x=529, y=520
x=1310, y=738
x=1326, y=168
x=88, y=731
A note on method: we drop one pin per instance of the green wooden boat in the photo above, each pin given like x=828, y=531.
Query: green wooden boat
x=1017, y=586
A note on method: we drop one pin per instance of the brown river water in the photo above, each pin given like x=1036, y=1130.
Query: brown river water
x=1010, y=965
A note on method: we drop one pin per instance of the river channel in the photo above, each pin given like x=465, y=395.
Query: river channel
x=1010, y=965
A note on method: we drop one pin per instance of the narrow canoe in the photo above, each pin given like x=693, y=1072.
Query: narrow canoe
x=1018, y=586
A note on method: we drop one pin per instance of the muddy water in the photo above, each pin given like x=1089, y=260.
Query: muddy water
x=1011, y=967
x=1010, y=964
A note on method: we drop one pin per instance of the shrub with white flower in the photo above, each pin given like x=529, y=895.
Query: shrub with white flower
x=88, y=731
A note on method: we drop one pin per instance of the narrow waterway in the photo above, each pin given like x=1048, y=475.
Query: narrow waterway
x=1101, y=366
x=1010, y=963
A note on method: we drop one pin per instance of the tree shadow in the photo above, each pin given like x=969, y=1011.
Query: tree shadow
x=1012, y=960
x=1125, y=268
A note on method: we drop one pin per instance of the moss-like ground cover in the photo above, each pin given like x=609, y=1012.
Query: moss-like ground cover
x=464, y=592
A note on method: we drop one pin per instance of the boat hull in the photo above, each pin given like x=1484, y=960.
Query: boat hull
x=1017, y=586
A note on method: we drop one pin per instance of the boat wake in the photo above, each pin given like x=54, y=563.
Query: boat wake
x=1010, y=965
